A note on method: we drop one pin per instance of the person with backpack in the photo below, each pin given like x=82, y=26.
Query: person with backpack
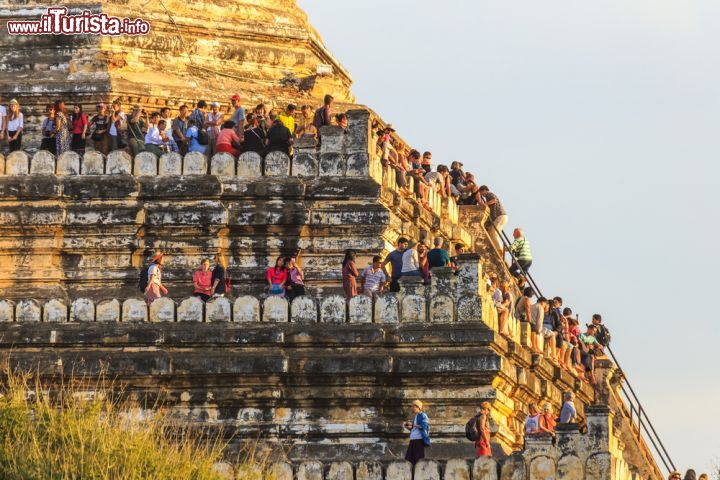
x=220, y=280
x=419, y=433
x=478, y=430
x=154, y=287
x=602, y=333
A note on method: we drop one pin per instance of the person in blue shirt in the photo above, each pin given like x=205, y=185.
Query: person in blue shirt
x=419, y=434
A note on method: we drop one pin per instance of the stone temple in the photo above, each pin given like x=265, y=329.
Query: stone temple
x=322, y=385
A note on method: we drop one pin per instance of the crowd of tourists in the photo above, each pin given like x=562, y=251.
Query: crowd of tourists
x=207, y=128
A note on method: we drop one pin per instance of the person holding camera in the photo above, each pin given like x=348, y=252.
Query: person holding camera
x=137, y=126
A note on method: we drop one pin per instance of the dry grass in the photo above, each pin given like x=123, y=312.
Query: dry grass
x=88, y=433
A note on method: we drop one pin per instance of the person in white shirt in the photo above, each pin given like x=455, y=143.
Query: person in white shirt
x=157, y=140
x=14, y=126
x=374, y=278
x=118, y=124
x=3, y=121
x=411, y=262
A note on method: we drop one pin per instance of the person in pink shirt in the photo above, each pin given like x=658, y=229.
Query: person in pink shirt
x=277, y=278
x=227, y=140
x=202, y=279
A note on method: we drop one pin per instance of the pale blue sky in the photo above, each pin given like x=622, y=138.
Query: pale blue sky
x=596, y=123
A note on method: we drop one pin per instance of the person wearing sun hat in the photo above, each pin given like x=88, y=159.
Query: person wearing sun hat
x=155, y=288
x=419, y=433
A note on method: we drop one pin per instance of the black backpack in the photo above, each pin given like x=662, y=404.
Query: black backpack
x=603, y=335
x=144, y=279
x=472, y=429
x=202, y=137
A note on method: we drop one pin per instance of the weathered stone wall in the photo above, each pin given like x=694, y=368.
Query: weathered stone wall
x=321, y=378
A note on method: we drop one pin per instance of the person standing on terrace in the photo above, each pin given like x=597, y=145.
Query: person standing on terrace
x=238, y=116
x=179, y=129
x=254, y=138
x=118, y=123
x=498, y=216
x=214, y=121
x=279, y=138
x=287, y=118
x=349, y=274
x=155, y=288
x=79, y=123
x=304, y=121
x=48, y=141
x=568, y=413
x=537, y=318
x=3, y=121
x=323, y=115
x=136, y=131
x=520, y=249
x=62, y=131
x=101, y=123
x=419, y=434
x=374, y=278
x=482, y=446
x=395, y=259
x=15, y=126
x=199, y=116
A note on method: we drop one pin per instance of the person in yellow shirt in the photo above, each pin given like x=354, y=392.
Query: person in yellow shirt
x=288, y=118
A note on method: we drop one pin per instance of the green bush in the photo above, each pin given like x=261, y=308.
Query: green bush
x=72, y=434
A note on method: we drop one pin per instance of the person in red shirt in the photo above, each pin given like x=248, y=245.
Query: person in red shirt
x=227, y=140
x=277, y=278
x=202, y=279
x=79, y=129
x=547, y=420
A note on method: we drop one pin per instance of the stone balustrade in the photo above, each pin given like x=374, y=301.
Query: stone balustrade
x=574, y=456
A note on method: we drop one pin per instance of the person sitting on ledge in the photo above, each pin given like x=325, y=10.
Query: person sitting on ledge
x=227, y=140
x=349, y=274
x=395, y=259
x=374, y=278
x=603, y=334
x=202, y=280
x=323, y=115
x=295, y=285
x=589, y=347
x=254, y=138
x=191, y=136
x=568, y=413
x=279, y=138
x=277, y=278
x=157, y=141
x=411, y=261
x=438, y=256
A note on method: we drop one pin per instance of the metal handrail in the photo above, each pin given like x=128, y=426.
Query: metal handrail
x=631, y=397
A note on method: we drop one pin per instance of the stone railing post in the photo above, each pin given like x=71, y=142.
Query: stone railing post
x=413, y=305
x=358, y=147
x=469, y=278
x=605, y=376
x=444, y=282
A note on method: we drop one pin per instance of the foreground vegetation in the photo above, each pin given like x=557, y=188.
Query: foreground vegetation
x=81, y=433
